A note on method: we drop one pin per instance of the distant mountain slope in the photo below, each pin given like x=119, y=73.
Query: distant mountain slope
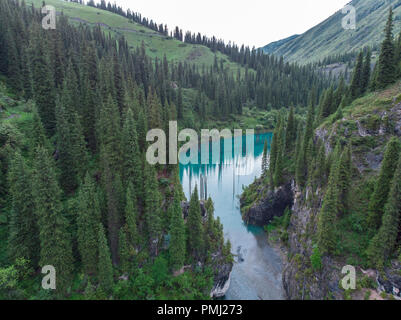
x=273, y=46
x=329, y=38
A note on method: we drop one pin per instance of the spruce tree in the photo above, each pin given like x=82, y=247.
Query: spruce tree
x=152, y=208
x=366, y=72
x=291, y=132
x=344, y=180
x=88, y=219
x=386, y=72
x=131, y=216
x=356, y=86
x=105, y=267
x=177, y=247
x=124, y=252
x=326, y=227
x=195, y=227
x=383, y=244
x=131, y=155
x=265, y=158
x=279, y=166
x=55, y=241
x=23, y=235
x=382, y=187
x=43, y=84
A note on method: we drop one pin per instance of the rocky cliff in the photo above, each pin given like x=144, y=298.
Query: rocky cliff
x=367, y=124
x=270, y=206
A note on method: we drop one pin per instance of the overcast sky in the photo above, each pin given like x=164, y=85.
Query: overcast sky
x=251, y=22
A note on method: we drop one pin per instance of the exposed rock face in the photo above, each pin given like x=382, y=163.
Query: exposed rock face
x=300, y=281
x=273, y=205
x=390, y=281
x=222, y=276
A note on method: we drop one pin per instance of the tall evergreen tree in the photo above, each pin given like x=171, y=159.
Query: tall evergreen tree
x=383, y=244
x=356, y=86
x=386, y=71
x=291, y=132
x=152, y=208
x=177, y=247
x=382, y=187
x=195, y=227
x=23, y=236
x=366, y=71
x=344, y=180
x=105, y=267
x=265, y=158
x=55, y=241
x=326, y=227
x=131, y=155
x=43, y=83
x=88, y=219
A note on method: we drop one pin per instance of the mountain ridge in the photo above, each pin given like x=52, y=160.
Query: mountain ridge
x=329, y=38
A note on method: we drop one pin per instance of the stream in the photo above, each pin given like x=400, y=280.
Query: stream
x=257, y=271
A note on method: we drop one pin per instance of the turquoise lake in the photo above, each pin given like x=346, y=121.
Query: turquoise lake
x=257, y=274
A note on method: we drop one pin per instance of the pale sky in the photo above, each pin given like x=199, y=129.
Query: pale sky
x=251, y=22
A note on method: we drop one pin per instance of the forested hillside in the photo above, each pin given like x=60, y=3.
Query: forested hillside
x=216, y=81
x=76, y=192
x=339, y=172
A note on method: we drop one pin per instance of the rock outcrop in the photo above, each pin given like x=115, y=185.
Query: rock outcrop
x=222, y=276
x=389, y=281
x=273, y=205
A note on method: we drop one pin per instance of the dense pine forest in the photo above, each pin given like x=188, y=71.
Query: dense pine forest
x=77, y=193
x=353, y=213
x=76, y=190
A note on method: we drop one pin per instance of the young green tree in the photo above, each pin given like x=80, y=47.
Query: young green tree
x=326, y=227
x=366, y=71
x=177, y=247
x=386, y=71
x=265, y=158
x=152, y=208
x=290, y=134
x=43, y=83
x=344, y=180
x=131, y=216
x=383, y=244
x=88, y=219
x=131, y=155
x=195, y=227
x=105, y=267
x=356, y=86
x=55, y=241
x=382, y=188
x=23, y=237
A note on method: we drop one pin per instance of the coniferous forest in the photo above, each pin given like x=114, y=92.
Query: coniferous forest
x=77, y=193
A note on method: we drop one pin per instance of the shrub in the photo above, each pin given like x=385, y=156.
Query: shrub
x=316, y=259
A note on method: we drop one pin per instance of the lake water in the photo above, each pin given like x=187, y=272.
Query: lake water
x=257, y=274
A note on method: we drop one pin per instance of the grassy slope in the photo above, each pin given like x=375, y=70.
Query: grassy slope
x=329, y=38
x=156, y=44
